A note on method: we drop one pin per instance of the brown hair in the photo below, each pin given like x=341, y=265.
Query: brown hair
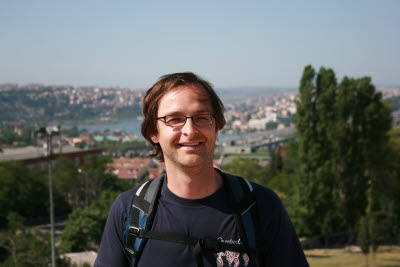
x=165, y=84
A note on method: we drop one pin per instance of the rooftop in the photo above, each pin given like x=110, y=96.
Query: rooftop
x=29, y=152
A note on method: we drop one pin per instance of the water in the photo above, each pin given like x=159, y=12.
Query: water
x=131, y=126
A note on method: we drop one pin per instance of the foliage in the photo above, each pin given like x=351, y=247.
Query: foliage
x=284, y=183
x=20, y=136
x=22, y=191
x=374, y=229
x=389, y=187
x=67, y=182
x=314, y=121
x=246, y=168
x=25, y=246
x=81, y=185
x=70, y=132
x=84, y=227
x=342, y=130
x=271, y=125
x=282, y=173
x=276, y=164
x=363, y=121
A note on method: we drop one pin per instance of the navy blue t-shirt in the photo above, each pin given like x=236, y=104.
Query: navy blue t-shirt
x=208, y=218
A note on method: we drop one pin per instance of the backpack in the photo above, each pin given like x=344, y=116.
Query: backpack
x=242, y=201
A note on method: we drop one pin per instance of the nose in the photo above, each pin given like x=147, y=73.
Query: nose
x=189, y=128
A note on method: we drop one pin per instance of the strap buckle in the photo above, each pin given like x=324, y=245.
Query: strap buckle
x=133, y=230
x=131, y=252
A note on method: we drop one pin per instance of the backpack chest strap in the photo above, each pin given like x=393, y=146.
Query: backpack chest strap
x=199, y=245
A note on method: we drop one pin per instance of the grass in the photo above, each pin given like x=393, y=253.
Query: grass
x=387, y=256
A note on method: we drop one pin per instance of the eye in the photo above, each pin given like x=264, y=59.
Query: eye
x=175, y=119
x=203, y=117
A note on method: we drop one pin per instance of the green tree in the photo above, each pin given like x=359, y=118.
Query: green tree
x=342, y=131
x=67, y=183
x=97, y=178
x=84, y=227
x=390, y=187
x=22, y=191
x=363, y=121
x=275, y=165
x=25, y=246
x=246, y=168
x=315, y=121
x=271, y=125
x=81, y=185
x=71, y=132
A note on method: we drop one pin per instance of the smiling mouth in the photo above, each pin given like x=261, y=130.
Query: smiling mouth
x=189, y=145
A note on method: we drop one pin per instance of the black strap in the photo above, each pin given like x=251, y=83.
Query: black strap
x=208, y=244
x=138, y=203
x=145, y=203
x=231, y=184
x=199, y=244
x=242, y=200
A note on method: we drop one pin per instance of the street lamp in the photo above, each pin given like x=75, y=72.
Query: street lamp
x=80, y=171
x=49, y=132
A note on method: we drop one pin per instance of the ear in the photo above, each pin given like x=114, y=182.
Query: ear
x=154, y=138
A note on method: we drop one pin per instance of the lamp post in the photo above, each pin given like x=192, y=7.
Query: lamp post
x=80, y=171
x=49, y=133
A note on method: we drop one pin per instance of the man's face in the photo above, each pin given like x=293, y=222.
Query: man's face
x=189, y=145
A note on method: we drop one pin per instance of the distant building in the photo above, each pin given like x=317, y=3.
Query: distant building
x=80, y=258
x=132, y=168
x=259, y=124
x=75, y=140
x=237, y=149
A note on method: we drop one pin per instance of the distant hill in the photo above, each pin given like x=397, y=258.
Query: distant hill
x=46, y=103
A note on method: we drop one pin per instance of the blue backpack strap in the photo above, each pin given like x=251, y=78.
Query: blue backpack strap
x=141, y=217
x=243, y=203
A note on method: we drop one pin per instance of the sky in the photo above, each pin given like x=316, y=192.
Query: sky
x=230, y=43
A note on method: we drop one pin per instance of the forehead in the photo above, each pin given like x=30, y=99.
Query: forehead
x=189, y=99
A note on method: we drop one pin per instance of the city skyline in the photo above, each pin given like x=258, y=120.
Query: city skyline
x=230, y=43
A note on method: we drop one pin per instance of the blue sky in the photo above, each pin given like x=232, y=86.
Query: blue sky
x=230, y=43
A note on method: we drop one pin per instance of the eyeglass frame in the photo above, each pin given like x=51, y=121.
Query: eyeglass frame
x=164, y=118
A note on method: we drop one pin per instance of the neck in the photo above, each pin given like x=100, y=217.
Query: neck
x=193, y=183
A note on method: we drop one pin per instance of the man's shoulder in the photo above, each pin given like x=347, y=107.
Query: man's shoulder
x=124, y=200
x=128, y=195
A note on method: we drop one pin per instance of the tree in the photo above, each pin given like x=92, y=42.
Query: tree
x=246, y=168
x=25, y=246
x=98, y=178
x=342, y=131
x=363, y=121
x=71, y=132
x=68, y=183
x=22, y=191
x=84, y=227
x=315, y=121
x=81, y=185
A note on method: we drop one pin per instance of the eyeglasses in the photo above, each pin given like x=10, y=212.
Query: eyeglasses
x=180, y=120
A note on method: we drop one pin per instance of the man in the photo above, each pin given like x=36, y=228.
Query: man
x=182, y=118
